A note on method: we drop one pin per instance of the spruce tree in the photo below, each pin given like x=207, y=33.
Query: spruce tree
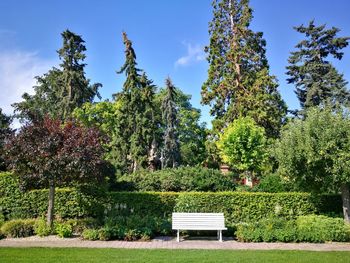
x=77, y=89
x=60, y=90
x=316, y=80
x=136, y=123
x=5, y=131
x=239, y=82
x=171, y=146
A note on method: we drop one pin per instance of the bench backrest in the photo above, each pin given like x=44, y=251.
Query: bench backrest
x=198, y=221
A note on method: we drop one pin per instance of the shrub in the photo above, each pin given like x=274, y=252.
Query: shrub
x=41, y=228
x=64, y=230
x=178, y=180
x=267, y=230
x=83, y=203
x=312, y=228
x=90, y=234
x=18, y=228
x=108, y=233
x=2, y=219
x=273, y=183
x=309, y=228
x=79, y=225
x=132, y=235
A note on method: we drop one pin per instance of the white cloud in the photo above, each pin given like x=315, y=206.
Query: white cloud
x=195, y=53
x=17, y=71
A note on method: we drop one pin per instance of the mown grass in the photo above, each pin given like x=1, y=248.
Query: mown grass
x=88, y=255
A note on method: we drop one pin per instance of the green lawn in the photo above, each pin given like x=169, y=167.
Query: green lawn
x=87, y=255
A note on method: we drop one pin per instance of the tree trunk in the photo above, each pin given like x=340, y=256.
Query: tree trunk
x=50, y=211
x=346, y=201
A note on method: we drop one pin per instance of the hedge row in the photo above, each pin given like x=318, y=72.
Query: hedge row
x=237, y=206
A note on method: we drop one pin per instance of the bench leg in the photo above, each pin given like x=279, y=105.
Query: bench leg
x=220, y=237
x=178, y=236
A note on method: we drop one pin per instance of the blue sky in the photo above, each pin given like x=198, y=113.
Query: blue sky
x=168, y=37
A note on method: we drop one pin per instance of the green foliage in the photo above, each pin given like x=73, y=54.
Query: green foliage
x=313, y=228
x=239, y=83
x=191, y=133
x=247, y=207
x=79, y=225
x=90, y=234
x=18, y=228
x=41, y=228
x=273, y=183
x=315, y=152
x=177, y=180
x=60, y=90
x=64, y=230
x=142, y=207
x=5, y=132
x=243, y=146
x=171, y=147
x=317, y=82
x=136, y=126
x=310, y=228
x=107, y=233
x=267, y=230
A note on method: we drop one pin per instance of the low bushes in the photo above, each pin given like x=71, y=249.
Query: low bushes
x=64, y=230
x=182, y=179
x=129, y=228
x=90, y=234
x=41, y=228
x=311, y=228
x=321, y=228
x=18, y=228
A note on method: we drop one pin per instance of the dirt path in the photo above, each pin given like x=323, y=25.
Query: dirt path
x=168, y=243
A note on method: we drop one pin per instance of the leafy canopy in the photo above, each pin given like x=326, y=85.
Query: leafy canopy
x=315, y=153
x=242, y=146
x=48, y=151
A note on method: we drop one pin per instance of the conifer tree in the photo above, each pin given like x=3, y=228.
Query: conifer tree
x=136, y=123
x=316, y=80
x=77, y=89
x=5, y=131
x=59, y=91
x=171, y=147
x=239, y=83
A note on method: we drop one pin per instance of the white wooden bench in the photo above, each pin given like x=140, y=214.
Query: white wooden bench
x=198, y=221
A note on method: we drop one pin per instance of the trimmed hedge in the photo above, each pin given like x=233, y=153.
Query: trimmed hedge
x=310, y=228
x=237, y=206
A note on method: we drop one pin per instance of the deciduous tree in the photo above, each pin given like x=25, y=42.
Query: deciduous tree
x=315, y=153
x=49, y=154
x=243, y=146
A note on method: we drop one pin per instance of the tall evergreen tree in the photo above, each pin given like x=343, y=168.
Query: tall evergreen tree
x=316, y=80
x=136, y=123
x=60, y=90
x=171, y=146
x=239, y=83
x=191, y=132
x=5, y=131
x=77, y=89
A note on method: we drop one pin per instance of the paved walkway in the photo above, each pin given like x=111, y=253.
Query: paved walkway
x=168, y=243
